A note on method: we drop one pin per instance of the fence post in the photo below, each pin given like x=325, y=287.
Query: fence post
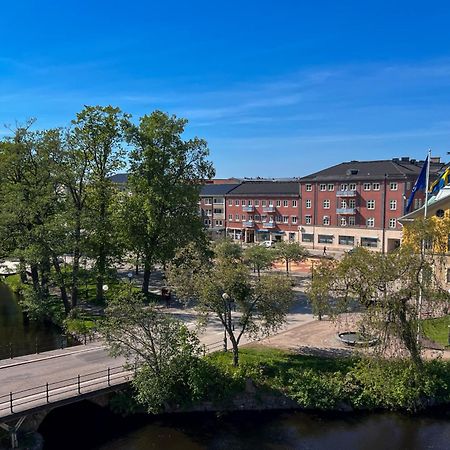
x=11, y=401
x=79, y=384
x=10, y=350
x=109, y=376
x=46, y=390
x=37, y=346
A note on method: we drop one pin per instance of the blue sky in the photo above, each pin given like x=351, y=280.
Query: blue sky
x=276, y=88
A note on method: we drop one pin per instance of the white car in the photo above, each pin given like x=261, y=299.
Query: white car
x=267, y=243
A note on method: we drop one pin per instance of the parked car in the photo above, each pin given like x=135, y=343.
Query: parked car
x=267, y=243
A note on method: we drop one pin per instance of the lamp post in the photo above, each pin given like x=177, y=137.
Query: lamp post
x=226, y=299
x=130, y=277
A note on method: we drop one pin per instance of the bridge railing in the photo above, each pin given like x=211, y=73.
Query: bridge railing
x=58, y=390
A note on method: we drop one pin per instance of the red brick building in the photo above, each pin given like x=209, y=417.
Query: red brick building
x=257, y=211
x=359, y=203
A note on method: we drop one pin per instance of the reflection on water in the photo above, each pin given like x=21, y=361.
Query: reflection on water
x=268, y=430
x=21, y=336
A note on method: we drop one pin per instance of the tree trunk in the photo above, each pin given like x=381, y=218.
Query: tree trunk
x=45, y=275
x=23, y=270
x=146, y=282
x=76, y=261
x=62, y=286
x=101, y=269
x=35, y=277
x=287, y=266
x=409, y=337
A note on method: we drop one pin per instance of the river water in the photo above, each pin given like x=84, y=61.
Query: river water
x=246, y=430
x=20, y=336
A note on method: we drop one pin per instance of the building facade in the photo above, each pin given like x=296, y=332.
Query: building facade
x=212, y=206
x=258, y=211
x=358, y=203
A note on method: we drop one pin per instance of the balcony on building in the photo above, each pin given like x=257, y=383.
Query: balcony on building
x=346, y=211
x=269, y=209
x=269, y=225
x=248, y=224
x=346, y=193
x=248, y=208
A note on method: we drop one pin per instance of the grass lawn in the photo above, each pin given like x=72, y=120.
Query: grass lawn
x=437, y=329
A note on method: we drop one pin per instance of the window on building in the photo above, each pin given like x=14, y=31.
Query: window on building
x=209, y=212
x=285, y=219
x=219, y=223
x=256, y=202
x=323, y=187
x=370, y=204
x=237, y=217
x=218, y=201
x=308, y=220
x=343, y=221
x=352, y=203
x=285, y=203
x=376, y=186
x=369, y=242
x=325, y=238
x=408, y=185
x=230, y=202
x=307, y=237
x=278, y=202
x=250, y=203
x=392, y=223
x=331, y=187
x=352, y=186
x=207, y=201
x=294, y=203
x=326, y=204
x=393, y=186
x=370, y=222
x=366, y=186
x=291, y=237
x=278, y=219
x=294, y=219
x=326, y=220
x=416, y=203
x=243, y=217
x=351, y=221
x=236, y=202
x=343, y=203
x=270, y=202
x=308, y=187
x=206, y=221
x=257, y=217
x=243, y=202
x=230, y=217
x=218, y=211
x=344, y=187
x=392, y=205
x=264, y=217
x=263, y=203
x=308, y=204
x=347, y=240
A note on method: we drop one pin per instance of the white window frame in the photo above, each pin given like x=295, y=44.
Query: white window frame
x=370, y=222
x=326, y=204
x=392, y=205
x=294, y=219
x=371, y=204
x=278, y=203
x=285, y=203
x=375, y=186
x=326, y=221
x=393, y=223
x=367, y=186
x=308, y=204
x=323, y=187
x=294, y=203
x=308, y=219
x=331, y=187
x=308, y=187
x=393, y=186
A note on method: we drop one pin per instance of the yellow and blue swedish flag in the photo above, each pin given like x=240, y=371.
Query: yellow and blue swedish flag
x=440, y=182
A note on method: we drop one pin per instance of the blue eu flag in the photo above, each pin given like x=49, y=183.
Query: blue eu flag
x=419, y=185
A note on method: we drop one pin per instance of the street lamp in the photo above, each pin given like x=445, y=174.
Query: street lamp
x=226, y=299
x=130, y=276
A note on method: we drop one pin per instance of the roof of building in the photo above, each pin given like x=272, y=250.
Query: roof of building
x=267, y=187
x=208, y=190
x=397, y=168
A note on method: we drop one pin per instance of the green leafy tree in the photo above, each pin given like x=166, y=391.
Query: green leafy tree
x=259, y=258
x=163, y=351
x=225, y=290
x=290, y=252
x=166, y=173
x=228, y=250
x=323, y=275
x=98, y=134
x=388, y=288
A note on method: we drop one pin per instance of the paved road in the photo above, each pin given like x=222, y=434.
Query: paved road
x=49, y=367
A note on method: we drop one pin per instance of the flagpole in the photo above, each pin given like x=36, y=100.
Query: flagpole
x=422, y=245
x=427, y=182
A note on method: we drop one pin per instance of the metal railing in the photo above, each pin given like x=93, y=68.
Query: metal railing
x=62, y=389
x=12, y=350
